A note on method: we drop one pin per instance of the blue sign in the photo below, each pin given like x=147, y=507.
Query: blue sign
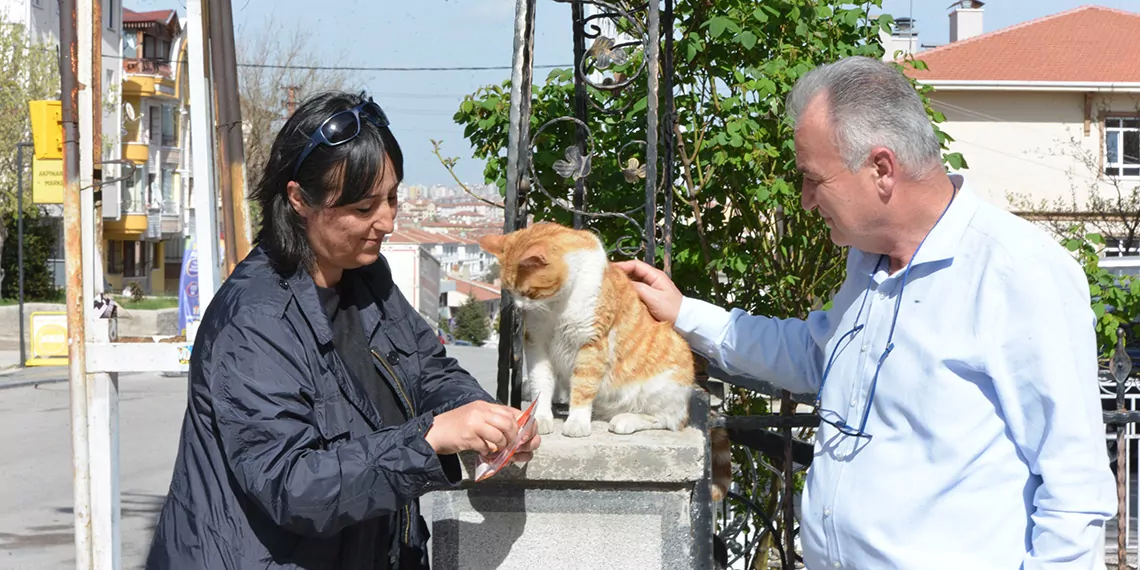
x=188, y=308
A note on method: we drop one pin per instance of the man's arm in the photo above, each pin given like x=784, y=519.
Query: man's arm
x=783, y=352
x=1044, y=368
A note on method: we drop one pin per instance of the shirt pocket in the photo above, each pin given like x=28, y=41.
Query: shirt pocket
x=405, y=358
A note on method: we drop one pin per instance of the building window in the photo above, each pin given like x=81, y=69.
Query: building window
x=114, y=257
x=1116, y=247
x=169, y=136
x=169, y=202
x=155, y=126
x=149, y=47
x=173, y=248
x=1122, y=146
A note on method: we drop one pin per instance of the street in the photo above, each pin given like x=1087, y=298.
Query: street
x=35, y=443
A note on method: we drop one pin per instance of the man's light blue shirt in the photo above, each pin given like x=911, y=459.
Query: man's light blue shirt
x=988, y=444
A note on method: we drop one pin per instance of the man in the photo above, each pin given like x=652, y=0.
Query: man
x=956, y=371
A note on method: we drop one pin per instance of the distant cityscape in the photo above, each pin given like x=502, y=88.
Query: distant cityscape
x=434, y=253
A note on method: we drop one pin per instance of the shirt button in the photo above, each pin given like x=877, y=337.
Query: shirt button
x=854, y=402
x=826, y=512
x=836, y=564
x=283, y=283
x=863, y=348
x=882, y=295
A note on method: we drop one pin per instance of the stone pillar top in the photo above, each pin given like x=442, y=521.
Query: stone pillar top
x=654, y=456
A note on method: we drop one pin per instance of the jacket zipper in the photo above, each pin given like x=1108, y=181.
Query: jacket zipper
x=411, y=414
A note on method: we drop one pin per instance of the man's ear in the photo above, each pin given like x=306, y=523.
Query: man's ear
x=885, y=169
x=297, y=200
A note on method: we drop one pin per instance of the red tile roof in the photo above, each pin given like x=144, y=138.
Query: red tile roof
x=481, y=291
x=416, y=235
x=132, y=17
x=1086, y=44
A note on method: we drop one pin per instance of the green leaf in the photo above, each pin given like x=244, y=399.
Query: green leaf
x=956, y=160
x=747, y=39
x=717, y=25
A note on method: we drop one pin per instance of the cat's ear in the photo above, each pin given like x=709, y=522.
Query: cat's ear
x=534, y=257
x=493, y=244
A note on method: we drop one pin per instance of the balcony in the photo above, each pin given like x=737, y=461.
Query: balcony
x=148, y=77
x=148, y=66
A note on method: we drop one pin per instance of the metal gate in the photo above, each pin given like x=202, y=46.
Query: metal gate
x=607, y=34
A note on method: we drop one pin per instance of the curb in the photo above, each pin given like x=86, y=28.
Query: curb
x=26, y=383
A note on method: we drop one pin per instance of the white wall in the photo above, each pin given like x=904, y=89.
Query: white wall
x=416, y=273
x=1029, y=142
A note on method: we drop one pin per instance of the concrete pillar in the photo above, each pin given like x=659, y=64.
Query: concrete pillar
x=601, y=502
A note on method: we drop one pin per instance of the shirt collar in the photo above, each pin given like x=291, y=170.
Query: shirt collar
x=942, y=242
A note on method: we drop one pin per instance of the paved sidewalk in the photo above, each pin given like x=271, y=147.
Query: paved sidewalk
x=9, y=359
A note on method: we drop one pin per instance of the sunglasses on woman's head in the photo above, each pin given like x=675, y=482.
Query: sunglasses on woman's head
x=342, y=127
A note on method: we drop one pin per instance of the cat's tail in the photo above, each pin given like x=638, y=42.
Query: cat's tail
x=721, y=448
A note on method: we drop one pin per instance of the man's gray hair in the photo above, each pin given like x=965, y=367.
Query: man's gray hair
x=871, y=104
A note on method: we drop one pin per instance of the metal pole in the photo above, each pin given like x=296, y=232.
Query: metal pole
x=73, y=247
x=1121, y=367
x=202, y=145
x=231, y=166
x=518, y=161
x=20, y=242
x=670, y=137
x=654, y=72
x=579, y=31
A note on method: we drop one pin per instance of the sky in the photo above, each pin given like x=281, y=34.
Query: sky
x=467, y=33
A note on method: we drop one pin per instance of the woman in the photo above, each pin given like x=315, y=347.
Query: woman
x=321, y=405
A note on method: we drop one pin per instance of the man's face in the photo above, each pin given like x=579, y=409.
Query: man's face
x=846, y=200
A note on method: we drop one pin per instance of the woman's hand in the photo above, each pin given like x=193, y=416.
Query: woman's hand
x=482, y=427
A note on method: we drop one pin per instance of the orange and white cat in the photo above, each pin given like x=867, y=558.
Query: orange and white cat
x=587, y=331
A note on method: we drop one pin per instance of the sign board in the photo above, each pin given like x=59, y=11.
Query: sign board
x=47, y=181
x=189, y=310
x=49, y=339
x=47, y=129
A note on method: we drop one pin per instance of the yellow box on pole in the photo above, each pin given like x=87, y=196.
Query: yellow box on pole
x=47, y=181
x=49, y=339
x=47, y=129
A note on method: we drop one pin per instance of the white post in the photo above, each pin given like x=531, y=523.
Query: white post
x=202, y=144
x=102, y=389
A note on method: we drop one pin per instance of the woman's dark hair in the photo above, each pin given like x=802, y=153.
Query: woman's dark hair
x=353, y=169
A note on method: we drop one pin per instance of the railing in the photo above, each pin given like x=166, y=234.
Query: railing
x=147, y=66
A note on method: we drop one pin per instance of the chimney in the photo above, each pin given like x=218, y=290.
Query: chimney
x=965, y=20
x=903, y=38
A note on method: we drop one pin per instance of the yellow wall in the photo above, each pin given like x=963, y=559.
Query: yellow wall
x=138, y=153
x=130, y=226
x=159, y=285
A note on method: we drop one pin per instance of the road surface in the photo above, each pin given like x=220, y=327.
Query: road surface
x=35, y=447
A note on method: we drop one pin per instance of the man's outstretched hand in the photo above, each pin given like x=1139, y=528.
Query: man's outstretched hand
x=655, y=288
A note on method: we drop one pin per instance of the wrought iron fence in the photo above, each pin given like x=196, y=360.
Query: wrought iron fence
x=608, y=34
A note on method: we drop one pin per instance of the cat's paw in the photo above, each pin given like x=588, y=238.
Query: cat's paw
x=625, y=424
x=544, y=423
x=577, y=425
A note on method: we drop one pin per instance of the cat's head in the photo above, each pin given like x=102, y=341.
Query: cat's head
x=535, y=263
